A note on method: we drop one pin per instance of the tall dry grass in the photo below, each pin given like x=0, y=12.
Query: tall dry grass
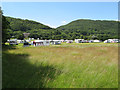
x=83, y=67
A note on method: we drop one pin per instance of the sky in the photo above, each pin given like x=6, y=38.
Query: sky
x=55, y=14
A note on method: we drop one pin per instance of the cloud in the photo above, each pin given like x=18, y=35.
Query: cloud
x=63, y=22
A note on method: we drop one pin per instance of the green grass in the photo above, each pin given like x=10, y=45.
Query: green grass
x=83, y=65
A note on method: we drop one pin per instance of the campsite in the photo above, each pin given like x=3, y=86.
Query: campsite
x=59, y=45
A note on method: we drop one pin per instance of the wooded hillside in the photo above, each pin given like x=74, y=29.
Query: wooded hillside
x=90, y=29
x=83, y=28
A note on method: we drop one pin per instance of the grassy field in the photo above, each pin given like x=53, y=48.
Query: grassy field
x=85, y=65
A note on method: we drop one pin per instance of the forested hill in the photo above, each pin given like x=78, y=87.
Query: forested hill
x=20, y=26
x=90, y=29
x=85, y=29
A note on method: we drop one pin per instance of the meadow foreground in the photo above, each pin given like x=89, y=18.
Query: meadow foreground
x=61, y=66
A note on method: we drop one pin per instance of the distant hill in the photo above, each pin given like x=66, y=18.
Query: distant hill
x=90, y=29
x=20, y=26
x=83, y=28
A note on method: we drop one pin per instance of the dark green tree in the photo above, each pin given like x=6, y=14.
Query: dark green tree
x=5, y=27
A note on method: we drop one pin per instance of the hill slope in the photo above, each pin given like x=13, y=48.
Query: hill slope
x=90, y=29
x=83, y=28
x=20, y=26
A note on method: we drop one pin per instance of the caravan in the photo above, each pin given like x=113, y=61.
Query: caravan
x=79, y=40
x=13, y=42
x=41, y=42
x=55, y=42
